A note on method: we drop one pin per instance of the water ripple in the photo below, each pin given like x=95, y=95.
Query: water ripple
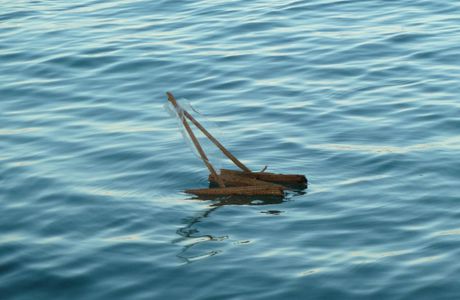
x=360, y=96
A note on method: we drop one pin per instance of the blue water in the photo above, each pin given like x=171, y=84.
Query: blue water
x=361, y=96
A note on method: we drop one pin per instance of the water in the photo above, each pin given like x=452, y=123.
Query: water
x=361, y=96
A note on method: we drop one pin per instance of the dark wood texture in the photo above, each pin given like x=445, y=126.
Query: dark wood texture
x=239, y=191
x=232, y=179
x=270, y=177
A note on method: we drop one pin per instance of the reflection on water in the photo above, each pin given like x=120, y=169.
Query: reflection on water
x=241, y=200
x=195, y=245
x=190, y=237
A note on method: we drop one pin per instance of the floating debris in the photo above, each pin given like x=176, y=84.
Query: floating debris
x=234, y=182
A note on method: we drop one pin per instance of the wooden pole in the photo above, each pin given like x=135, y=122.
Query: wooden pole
x=195, y=140
x=217, y=143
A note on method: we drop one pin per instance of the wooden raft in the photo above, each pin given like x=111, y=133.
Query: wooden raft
x=231, y=182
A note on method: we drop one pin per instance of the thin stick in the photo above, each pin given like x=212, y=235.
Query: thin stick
x=217, y=143
x=195, y=140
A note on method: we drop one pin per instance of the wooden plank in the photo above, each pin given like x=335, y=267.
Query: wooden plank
x=231, y=179
x=239, y=191
x=270, y=177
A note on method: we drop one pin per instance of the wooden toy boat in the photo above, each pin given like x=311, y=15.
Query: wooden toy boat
x=231, y=182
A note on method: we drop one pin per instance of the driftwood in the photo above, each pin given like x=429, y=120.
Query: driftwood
x=292, y=179
x=239, y=191
x=234, y=179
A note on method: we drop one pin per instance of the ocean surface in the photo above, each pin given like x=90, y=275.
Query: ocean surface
x=361, y=96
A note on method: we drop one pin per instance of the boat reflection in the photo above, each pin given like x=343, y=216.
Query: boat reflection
x=241, y=200
x=197, y=245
